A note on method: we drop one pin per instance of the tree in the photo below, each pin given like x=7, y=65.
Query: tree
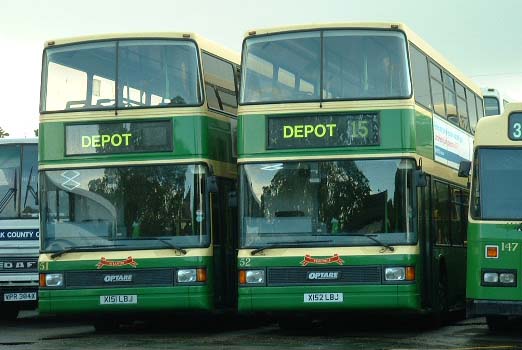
x=3, y=133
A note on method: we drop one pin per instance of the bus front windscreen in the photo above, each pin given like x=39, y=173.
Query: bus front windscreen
x=325, y=65
x=138, y=207
x=120, y=74
x=497, y=193
x=18, y=181
x=331, y=203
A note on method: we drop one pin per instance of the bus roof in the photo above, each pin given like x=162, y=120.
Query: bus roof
x=490, y=92
x=203, y=43
x=493, y=130
x=414, y=38
x=6, y=141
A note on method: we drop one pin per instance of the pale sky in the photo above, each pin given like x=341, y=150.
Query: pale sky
x=480, y=37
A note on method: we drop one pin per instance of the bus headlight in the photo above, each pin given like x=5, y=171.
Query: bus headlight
x=490, y=277
x=255, y=276
x=252, y=276
x=499, y=278
x=187, y=275
x=192, y=275
x=507, y=278
x=399, y=273
x=54, y=280
x=395, y=274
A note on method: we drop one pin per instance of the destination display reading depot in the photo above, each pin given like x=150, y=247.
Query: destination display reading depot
x=335, y=130
x=515, y=127
x=111, y=138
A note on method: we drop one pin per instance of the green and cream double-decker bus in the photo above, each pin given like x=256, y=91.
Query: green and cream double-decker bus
x=137, y=137
x=350, y=137
x=495, y=219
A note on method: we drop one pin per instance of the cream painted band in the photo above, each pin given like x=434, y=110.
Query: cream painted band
x=316, y=107
x=135, y=114
x=430, y=166
x=124, y=254
x=299, y=157
x=221, y=169
x=328, y=251
x=203, y=43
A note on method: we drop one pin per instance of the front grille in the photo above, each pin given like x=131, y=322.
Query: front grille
x=139, y=278
x=18, y=264
x=345, y=275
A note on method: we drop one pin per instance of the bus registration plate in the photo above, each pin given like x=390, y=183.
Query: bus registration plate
x=19, y=296
x=323, y=297
x=118, y=299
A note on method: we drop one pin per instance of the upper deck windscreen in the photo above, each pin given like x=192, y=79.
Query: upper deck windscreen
x=120, y=74
x=325, y=65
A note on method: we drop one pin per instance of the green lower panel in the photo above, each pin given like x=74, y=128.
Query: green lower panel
x=368, y=297
x=87, y=301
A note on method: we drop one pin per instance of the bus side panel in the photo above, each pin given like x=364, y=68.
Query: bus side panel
x=424, y=134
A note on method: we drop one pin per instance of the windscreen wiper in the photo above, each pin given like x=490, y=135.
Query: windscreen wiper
x=293, y=244
x=7, y=198
x=165, y=242
x=170, y=244
x=10, y=194
x=30, y=189
x=371, y=236
x=80, y=248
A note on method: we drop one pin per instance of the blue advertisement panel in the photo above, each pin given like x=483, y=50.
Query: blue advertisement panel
x=19, y=235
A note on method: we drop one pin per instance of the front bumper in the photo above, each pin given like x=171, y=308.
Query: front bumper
x=356, y=298
x=153, y=299
x=476, y=308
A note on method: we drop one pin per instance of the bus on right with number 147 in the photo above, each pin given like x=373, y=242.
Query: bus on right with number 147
x=494, y=287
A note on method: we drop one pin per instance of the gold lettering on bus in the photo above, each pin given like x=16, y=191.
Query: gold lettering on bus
x=101, y=141
x=305, y=130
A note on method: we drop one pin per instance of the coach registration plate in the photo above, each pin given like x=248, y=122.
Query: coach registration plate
x=323, y=297
x=118, y=299
x=19, y=296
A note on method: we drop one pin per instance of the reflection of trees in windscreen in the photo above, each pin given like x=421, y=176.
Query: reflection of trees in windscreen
x=332, y=194
x=119, y=142
x=338, y=197
x=152, y=201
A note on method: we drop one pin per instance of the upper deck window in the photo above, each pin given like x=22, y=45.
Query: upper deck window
x=491, y=105
x=284, y=67
x=325, y=65
x=122, y=74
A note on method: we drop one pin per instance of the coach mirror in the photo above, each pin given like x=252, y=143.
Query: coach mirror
x=232, y=199
x=420, y=178
x=212, y=184
x=464, y=168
